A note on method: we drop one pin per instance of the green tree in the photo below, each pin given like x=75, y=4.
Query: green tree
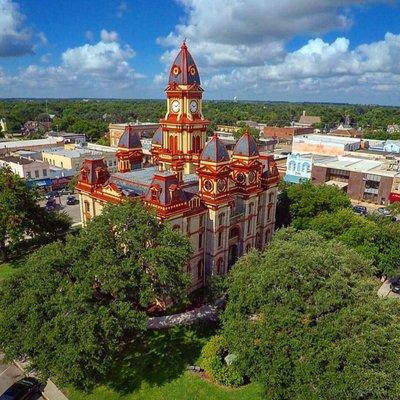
x=299, y=203
x=376, y=239
x=77, y=306
x=253, y=132
x=21, y=216
x=304, y=319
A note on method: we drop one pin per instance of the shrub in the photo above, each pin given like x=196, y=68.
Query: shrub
x=212, y=360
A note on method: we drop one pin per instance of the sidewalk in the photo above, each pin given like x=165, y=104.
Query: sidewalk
x=50, y=391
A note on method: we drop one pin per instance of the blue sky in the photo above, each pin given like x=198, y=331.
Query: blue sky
x=296, y=50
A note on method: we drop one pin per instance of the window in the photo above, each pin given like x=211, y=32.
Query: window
x=189, y=269
x=36, y=173
x=219, y=239
x=271, y=197
x=44, y=172
x=251, y=205
x=176, y=227
x=28, y=175
x=200, y=240
x=269, y=214
x=220, y=266
x=248, y=247
x=292, y=165
x=201, y=221
x=248, y=226
x=234, y=232
x=62, y=164
x=200, y=269
x=221, y=218
x=188, y=225
x=267, y=233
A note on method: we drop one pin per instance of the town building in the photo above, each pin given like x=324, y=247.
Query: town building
x=143, y=129
x=3, y=125
x=34, y=172
x=69, y=137
x=307, y=121
x=362, y=179
x=386, y=146
x=225, y=203
x=324, y=144
x=37, y=145
x=71, y=157
x=299, y=167
x=286, y=133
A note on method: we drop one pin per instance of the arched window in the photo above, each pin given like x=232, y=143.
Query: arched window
x=292, y=165
x=200, y=266
x=234, y=232
x=219, y=239
x=221, y=218
x=176, y=228
x=306, y=167
x=173, y=143
x=251, y=205
x=220, y=266
x=267, y=234
x=271, y=197
x=258, y=241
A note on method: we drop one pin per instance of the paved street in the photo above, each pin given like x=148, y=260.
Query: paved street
x=73, y=211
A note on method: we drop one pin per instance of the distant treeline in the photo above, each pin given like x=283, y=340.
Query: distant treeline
x=93, y=116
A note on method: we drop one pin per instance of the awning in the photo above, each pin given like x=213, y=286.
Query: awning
x=39, y=182
x=339, y=184
x=393, y=197
x=294, y=179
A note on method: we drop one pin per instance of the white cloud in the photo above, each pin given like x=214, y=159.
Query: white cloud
x=99, y=70
x=15, y=37
x=240, y=48
x=108, y=36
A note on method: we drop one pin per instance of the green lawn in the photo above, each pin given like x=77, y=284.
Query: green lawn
x=186, y=387
x=9, y=268
x=159, y=371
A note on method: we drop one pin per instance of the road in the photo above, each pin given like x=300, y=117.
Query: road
x=9, y=374
x=72, y=210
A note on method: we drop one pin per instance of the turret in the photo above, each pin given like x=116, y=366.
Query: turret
x=129, y=153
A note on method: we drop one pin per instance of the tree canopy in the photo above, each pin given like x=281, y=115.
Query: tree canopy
x=377, y=239
x=77, y=305
x=304, y=319
x=298, y=204
x=21, y=216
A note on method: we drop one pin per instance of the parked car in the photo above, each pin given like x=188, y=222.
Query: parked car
x=71, y=200
x=22, y=390
x=395, y=285
x=51, y=204
x=361, y=210
x=383, y=211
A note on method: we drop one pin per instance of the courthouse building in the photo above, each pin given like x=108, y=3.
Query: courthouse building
x=224, y=202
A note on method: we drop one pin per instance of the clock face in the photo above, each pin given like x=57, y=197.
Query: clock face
x=221, y=185
x=175, y=106
x=208, y=186
x=193, y=106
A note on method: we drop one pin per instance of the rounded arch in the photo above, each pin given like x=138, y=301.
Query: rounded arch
x=267, y=235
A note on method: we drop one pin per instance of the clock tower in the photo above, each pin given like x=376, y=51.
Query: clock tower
x=184, y=127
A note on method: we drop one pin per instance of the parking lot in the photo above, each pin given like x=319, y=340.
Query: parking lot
x=61, y=205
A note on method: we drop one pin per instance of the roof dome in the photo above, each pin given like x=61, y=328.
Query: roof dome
x=129, y=139
x=215, y=151
x=246, y=146
x=158, y=136
x=184, y=70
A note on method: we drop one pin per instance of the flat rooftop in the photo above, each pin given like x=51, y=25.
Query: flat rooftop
x=17, y=160
x=30, y=143
x=326, y=139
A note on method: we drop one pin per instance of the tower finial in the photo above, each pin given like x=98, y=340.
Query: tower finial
x=183, y=46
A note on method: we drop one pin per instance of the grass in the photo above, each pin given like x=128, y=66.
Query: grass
x=159, y=371
x=9, y=268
